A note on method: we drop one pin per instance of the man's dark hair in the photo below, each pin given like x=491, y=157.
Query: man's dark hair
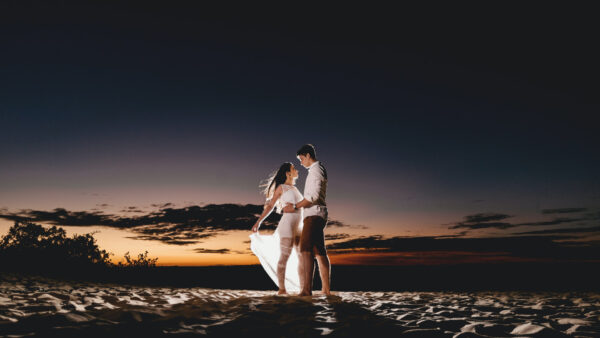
x=307, y=149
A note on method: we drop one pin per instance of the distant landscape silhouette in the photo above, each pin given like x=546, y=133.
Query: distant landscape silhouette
x=32, y=248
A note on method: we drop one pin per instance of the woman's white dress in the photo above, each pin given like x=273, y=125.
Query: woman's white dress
x=267, y=247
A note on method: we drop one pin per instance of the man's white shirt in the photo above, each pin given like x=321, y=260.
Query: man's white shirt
x=315, y=190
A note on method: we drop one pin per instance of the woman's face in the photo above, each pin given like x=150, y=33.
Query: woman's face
x=293, y=173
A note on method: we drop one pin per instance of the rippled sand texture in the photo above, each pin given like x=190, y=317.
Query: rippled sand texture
x=44, y=307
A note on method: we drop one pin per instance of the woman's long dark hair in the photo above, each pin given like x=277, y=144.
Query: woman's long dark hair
x=276, y=179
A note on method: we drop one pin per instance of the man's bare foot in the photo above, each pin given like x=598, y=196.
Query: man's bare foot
x=282, y=292
x=323, y=293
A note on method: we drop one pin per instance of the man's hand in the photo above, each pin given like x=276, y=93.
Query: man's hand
x=289, y=208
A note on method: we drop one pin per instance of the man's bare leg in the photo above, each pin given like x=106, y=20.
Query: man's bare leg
x=325, y=273
x=309, y=270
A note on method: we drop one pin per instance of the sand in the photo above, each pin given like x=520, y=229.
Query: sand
x=46, y=307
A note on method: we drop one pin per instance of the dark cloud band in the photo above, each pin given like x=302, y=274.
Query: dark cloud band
x=496, y=220
x=539, y=247
x=176, y=226
x=563, y=210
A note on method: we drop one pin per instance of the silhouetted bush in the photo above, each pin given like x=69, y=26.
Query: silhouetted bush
x=141, y=262
x=30, y=247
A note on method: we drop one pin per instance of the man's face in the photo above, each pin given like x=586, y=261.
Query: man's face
x=304, y=159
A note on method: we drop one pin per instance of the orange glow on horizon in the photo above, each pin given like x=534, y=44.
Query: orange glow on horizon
x=208, y=260
x=424, y=258
x=357, y=258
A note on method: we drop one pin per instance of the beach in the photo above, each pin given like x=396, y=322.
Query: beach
x=36, y=306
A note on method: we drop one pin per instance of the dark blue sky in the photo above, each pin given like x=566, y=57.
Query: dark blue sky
x=425, y=113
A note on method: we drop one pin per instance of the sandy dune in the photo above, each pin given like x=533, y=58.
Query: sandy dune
x=43, y=307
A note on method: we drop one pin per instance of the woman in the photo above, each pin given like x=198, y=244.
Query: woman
x=274, y=251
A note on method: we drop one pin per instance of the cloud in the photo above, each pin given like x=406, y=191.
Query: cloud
x=170, y=236
x=132, y=209
x=539, y=247
x=61, y=216
x=485, y=217
x=459, y=234
x=340, y=224
x=592, y=216
x=334, y=237
x=496, y=220
x=555, y=221
x=563, y=210
x=484, y=225
x=178, y=226
x=483, y=221
x=162, y=205
x=218, y=251
x=562, y=231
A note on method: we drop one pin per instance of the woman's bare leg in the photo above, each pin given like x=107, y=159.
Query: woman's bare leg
x=286, y=250
x=300, y=261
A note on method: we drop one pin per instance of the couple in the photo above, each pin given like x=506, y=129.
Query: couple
x=300, y=228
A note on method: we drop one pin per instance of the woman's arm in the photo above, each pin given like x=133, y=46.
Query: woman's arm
x=268, y=208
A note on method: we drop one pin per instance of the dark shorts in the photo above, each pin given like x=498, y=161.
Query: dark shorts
x=312, y=238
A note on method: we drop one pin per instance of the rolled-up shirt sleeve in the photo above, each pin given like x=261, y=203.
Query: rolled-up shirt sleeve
x=315, y=191
x=314, y=180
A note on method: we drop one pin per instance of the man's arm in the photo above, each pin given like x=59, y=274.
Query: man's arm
x=302, y=204
x=315, y=181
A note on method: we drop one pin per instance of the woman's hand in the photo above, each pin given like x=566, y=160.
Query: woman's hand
x=255, y=227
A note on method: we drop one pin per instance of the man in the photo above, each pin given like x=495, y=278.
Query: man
x=312, y=240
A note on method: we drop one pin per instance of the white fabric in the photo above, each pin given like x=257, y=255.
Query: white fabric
x=315, y=190
x=288, y=225
x=267, y=247
x=290, y=194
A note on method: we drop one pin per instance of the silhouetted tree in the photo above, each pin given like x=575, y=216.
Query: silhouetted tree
x=32, y=236
x=29, y=246
x=32, y=247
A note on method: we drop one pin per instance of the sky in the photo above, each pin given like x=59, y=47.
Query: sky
x=447, y=137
